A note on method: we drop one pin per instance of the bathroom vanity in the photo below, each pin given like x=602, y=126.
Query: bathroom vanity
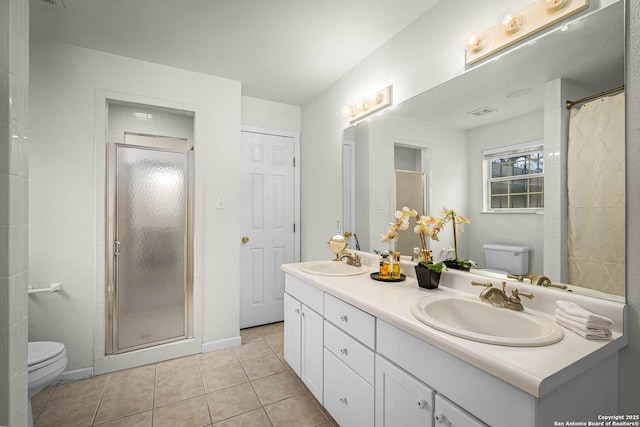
x=356, y=345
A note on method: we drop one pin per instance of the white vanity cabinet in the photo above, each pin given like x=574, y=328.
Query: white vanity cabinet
x=448, y=414
x=401, y=400
x=303, y=333
x=349, y=360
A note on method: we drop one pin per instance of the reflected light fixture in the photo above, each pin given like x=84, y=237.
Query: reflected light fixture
x=515, y=27
x=367, y=106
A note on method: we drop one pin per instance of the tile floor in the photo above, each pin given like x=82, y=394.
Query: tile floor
x=249, y=385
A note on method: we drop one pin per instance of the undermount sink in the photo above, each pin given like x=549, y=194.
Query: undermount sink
x=476, y=320
x=333, y=268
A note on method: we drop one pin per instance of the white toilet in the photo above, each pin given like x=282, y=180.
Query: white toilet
x=47, y=360
x=506, y=259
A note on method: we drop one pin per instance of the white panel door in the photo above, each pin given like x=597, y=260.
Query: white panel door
x=268, y=215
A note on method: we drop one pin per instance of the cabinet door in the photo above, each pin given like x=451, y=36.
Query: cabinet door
x=448, y=414
x=401, y=400
x=292, y=332
x=312, y=351
x=348, y=398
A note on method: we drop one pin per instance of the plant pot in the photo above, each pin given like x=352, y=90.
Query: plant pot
x=427, y=278
x=451, y=263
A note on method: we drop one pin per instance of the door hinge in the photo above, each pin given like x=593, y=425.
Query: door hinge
x=294, y=162
x=294, y=227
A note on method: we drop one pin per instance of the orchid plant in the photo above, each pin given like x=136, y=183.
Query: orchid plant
x=429, y=226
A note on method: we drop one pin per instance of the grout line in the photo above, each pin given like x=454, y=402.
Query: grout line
x=95, y=411
x=204, y=389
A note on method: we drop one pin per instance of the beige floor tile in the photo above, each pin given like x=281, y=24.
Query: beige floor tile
x=217, y=358
x=276, y=342
x=250, y=335
x=271, y=329
x=252, y=350
x=223, y=377
x=78, y=391
x=177, y=365
x=232, y=401
x=143, y=419
x=263, y=366
x=255, y=418
x=143, y=376
x=124, y=402
x=39, y=400
x=178, y=386
x=295, y=411
x=74, y=415
x=192, y=412
x=276, y=387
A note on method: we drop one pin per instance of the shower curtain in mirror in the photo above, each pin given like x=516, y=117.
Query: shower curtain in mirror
x=596, y=194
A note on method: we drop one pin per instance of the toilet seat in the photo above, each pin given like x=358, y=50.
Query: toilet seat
x=44, y=353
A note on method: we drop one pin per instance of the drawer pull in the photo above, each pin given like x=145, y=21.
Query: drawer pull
x=343, y=400
x=344, y=318
x=440, y=418
x=343, y=351
x=422, y=404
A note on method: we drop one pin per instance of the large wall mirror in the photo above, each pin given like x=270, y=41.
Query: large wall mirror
x=510, y=108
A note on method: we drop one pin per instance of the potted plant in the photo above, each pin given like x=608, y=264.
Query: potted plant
x=427, y=272
x=449, y=215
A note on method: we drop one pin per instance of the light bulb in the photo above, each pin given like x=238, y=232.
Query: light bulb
x=476, y=42
x=554, y=4
x=513, y=24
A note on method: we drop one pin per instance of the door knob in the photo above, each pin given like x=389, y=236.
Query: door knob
x=245, y=239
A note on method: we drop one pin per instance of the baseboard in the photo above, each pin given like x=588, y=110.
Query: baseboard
x=73, y=376
x=221, y=344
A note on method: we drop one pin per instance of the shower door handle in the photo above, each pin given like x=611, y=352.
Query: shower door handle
x=116, y=248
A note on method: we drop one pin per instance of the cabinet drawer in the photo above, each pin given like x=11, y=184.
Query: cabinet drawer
x=351, y=352
x=305, y=293
x=347, y=397
x=449, y=414
x=355, y=322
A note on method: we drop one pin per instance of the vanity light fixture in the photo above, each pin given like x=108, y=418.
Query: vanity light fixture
x=379, y=101
x=515, y=27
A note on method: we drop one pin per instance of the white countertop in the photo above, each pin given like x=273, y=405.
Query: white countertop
x=536, y=370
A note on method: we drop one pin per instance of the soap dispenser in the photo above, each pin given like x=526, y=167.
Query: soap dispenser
x=385, y=266
x=395, y=265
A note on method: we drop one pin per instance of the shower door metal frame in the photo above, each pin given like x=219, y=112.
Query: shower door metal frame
x=156, y=143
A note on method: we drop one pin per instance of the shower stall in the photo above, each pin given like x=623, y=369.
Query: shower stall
x=149, y=242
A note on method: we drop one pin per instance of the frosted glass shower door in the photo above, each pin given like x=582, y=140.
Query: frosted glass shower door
x=151, y=293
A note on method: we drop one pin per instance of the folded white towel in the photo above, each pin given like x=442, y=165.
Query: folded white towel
x=590, y=333
x=582, y=321
x=583, y=315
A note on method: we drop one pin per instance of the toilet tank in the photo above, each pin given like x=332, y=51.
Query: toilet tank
x=513, y=259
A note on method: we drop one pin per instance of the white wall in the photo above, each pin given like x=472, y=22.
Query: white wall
x=67, y=190
x=14, y=209
x=270, y=115
x=508, y=228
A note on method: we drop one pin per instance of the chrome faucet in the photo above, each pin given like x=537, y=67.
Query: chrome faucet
x=499, y=297
x=352, y=259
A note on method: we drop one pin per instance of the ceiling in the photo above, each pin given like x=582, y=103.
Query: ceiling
x=281, y=50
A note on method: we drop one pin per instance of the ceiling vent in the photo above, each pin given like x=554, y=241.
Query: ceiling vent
x=55, y=3
x=482, y=111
